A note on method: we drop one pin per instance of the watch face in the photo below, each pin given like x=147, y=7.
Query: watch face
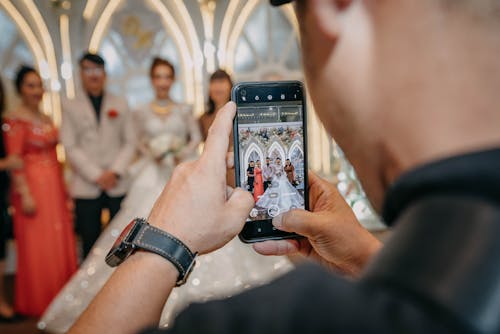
x=122, y=248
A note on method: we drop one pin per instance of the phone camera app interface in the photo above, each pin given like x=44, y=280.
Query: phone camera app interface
x=271, y=155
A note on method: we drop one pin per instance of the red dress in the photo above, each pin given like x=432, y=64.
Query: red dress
x=46, y=253
x=258, y=184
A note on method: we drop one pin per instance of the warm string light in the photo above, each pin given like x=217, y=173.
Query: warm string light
x=34, y=46
x=51, y=59
x=102, y=23
x=224, y=33
x=207, y=15
x=66, y=66
x=237, y=30
x=198, y=97
x=90, y=7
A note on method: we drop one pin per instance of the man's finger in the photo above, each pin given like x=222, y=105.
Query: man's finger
x=239, y=204
x=230, y=160
x=217, y=141
x=299, y=221
x=277, y=247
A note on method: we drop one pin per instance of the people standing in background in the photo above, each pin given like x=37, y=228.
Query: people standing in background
x=168, y=134
x=46, y=253
x=251, y=175
x=290, y=171
x=98, y=135
x=219, y=93
x=278, y=167
x=258, y=183
x=268, y=173
x=7, y=162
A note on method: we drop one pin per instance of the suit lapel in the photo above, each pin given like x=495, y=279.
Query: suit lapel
x=88, y=109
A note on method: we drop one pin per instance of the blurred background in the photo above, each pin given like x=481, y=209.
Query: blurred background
x=249, y=39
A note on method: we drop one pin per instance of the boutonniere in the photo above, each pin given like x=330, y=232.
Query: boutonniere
x=113, y=113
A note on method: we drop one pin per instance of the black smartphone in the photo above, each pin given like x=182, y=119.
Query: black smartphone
x=270, y=152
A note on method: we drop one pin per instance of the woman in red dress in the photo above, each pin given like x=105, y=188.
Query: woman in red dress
x=43, y=229
x=258, y=183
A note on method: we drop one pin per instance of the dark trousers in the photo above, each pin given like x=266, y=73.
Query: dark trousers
x=267, y=184
x=88, y=217
x=250, y=184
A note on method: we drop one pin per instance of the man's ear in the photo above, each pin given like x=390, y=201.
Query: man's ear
x=326, y=13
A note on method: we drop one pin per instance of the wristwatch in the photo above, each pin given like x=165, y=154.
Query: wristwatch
x=139, y=234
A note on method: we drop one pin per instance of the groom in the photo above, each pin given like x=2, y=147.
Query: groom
x=268, y=173
x=98, y=136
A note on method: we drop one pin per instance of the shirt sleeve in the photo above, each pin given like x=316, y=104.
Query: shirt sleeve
x=309, y=300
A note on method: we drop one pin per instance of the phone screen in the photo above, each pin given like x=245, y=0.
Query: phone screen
x=271, y=143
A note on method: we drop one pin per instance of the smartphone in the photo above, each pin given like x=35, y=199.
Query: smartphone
x=270, y=152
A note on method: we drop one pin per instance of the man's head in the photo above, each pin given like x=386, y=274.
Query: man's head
x=268, y=160
x=393, y=83
x=252, y=163
x=278, y=161
x=92, y=73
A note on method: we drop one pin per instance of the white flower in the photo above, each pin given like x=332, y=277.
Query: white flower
x=162, y=145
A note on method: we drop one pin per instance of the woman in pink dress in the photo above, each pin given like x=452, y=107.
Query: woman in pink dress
x=43, y=229
x=258, y=183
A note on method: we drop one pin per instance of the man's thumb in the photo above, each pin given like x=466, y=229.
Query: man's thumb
x=299, y=221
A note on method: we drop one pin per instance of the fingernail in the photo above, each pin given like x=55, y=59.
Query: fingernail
x=278, y=220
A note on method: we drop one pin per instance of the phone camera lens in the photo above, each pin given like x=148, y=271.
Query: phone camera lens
x=243, y=92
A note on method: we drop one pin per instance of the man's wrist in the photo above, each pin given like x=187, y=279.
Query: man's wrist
x=156, y=221
x=151, y=262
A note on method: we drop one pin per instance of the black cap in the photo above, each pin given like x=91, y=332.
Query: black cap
x=280, y=2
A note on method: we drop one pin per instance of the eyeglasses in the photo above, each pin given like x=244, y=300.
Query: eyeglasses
x=93, y=71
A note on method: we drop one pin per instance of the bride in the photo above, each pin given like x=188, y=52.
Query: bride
x=281, y=196
x=168, y=134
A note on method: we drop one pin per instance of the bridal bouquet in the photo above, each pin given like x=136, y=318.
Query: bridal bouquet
x=164, y=145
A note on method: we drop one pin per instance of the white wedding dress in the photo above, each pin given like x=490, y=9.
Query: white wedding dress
x=225, y=272
x=281, y=196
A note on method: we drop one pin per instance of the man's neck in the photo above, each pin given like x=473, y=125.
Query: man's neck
x=95, y=93
x=451, y=96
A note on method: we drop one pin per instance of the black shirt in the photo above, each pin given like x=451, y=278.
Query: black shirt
x=439, y=272
x=250, y=171
x=97, y=104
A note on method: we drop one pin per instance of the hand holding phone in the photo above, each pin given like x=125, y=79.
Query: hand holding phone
x=270, y=153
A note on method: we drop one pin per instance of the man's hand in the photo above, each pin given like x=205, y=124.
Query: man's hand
x=334, y=237
x=195, y=206
x=107, y=180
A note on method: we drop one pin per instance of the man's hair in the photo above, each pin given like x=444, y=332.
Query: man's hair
x=251, y=160
x=93, y=58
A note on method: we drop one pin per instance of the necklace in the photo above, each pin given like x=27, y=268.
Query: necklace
x=162, y=110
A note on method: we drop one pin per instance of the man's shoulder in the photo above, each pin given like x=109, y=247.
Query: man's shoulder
x=70, y=106
x=116, y=99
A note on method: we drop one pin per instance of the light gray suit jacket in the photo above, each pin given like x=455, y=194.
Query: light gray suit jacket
x=93, y=147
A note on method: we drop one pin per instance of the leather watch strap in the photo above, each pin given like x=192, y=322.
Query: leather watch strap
x=164, y=244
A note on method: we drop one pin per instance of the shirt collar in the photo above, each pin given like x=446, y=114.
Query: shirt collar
x=476, y=174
